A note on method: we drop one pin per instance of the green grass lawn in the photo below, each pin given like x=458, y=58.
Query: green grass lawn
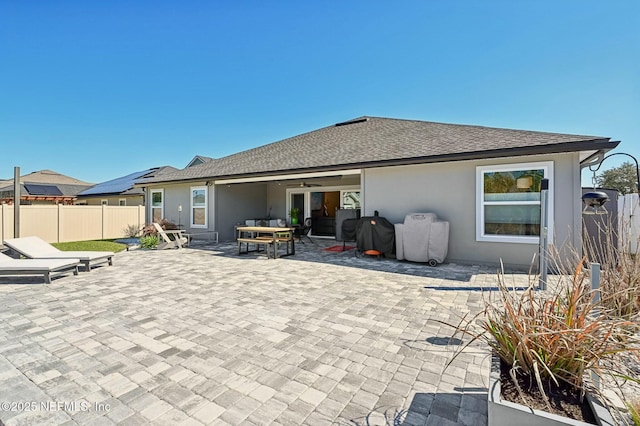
x=98, y=245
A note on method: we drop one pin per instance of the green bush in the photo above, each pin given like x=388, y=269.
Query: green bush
x=150, y=241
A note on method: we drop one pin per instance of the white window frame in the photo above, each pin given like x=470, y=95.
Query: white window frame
x=547, y=166
x=343, y=192
x=152, y=207
x=104, y=202
x=122, y=201
x=205, y=206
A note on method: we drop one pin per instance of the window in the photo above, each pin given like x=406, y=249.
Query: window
x=104, y=202
x=122, y=202
x=508, y=207
x=157, y=205
x=350, y=199
x=199, y=207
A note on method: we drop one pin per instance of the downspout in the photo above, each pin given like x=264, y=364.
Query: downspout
x=145, y=191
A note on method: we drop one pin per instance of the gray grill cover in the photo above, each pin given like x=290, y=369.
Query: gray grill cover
x=422, y=237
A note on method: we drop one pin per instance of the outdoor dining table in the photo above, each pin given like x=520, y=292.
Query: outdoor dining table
x=267, y=236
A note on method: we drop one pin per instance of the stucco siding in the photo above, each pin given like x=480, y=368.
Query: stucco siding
x=277, y=201
x=137, y=200
x=449, y=190
x=236, y=203
x=179, y=195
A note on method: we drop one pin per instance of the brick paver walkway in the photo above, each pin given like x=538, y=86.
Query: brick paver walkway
x=203, y=336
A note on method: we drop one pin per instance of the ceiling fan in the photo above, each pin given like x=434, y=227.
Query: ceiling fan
x=308, y=185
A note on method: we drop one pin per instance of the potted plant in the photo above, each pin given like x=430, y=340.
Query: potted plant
x=545, y=345
x=294, y=215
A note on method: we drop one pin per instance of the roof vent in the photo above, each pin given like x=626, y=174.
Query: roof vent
x=356, y=121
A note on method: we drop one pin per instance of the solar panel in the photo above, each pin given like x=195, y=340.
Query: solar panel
x=115, y=186
x=34, y=189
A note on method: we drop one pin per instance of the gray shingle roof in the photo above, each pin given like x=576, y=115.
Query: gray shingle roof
x=371, y=141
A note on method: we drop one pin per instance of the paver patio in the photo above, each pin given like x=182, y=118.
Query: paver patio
x=204, y=336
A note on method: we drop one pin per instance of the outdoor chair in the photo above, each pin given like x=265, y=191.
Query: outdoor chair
x=45, y=267
x=36, y=248
x=171, y=238
x=303, y=231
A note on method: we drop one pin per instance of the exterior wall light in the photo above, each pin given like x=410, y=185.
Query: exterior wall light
x=594, y=201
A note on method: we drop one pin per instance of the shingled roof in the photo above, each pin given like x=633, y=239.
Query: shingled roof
x=374, y=141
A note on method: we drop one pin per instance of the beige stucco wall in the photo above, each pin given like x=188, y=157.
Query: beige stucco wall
x=449, y=190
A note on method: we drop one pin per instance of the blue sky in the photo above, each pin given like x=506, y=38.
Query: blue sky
x=100, y=89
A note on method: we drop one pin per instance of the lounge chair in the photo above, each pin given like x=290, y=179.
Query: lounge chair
x=36, y=248
x=171, y=238
x=45, y=267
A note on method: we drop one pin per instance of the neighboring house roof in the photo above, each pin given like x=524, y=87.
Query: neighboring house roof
x=199, y=159
x=44, y=185
x=373, y=141
x=125, y=185
x=47, y=177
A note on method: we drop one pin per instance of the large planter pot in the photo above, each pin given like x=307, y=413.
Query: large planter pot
x=506, y=413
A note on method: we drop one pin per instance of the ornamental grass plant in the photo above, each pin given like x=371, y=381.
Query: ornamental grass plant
x=558, y=335
x=620, y=266
x=555, y=337
x=634, y=411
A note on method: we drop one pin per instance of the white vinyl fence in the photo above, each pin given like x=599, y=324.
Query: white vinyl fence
x=629, y=220
x=61, y=223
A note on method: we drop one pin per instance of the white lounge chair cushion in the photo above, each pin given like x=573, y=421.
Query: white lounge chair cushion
x=37, y=265
x=36, y=248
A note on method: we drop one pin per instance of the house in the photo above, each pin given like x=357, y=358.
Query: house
x=485, y=181
x=43, y=187
x=199, y=159
x=121, y=191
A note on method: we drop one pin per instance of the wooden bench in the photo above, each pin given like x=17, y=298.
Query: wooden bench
x=286, y=238
x=259, y=241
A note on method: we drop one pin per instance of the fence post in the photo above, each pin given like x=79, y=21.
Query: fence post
x=59, y=222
